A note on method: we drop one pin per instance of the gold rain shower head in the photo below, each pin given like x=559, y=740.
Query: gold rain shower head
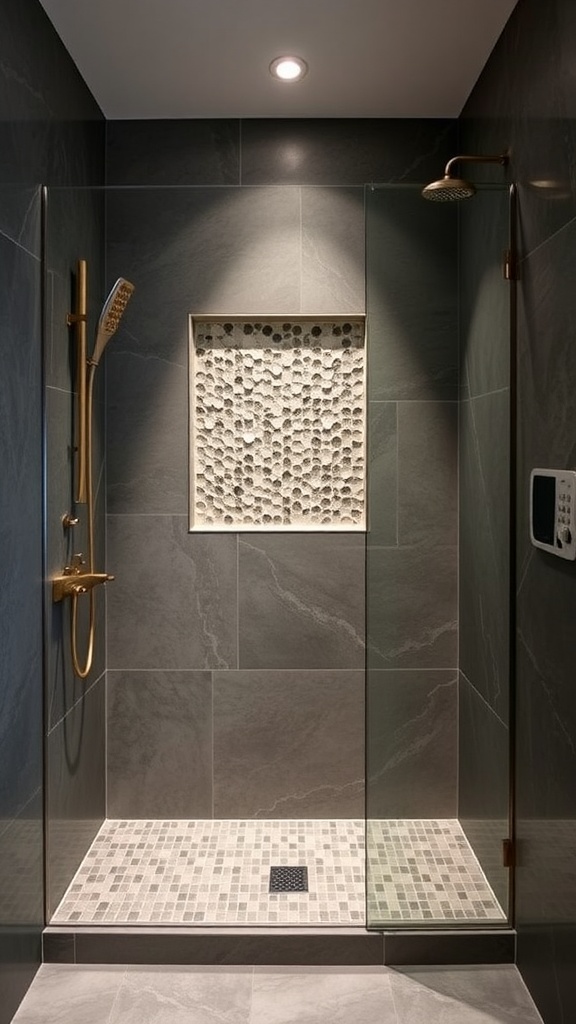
x=449, y=189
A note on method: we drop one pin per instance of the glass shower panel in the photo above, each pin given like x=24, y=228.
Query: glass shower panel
x=224, y=734
x=437, y=559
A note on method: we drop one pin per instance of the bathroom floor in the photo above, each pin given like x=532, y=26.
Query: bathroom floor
x=277, y=995
x=217, y=873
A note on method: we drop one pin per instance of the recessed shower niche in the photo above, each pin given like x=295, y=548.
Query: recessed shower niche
x=277, y=423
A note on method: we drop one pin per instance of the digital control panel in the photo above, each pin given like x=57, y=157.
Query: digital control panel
x=553, y=511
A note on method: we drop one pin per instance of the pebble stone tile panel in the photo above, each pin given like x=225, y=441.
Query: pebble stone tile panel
x=277, y=424
x=217, y=873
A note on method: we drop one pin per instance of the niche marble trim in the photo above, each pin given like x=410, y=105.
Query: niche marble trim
x=277, y=423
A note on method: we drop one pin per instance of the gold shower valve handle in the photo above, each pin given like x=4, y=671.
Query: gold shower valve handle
x=74, y=582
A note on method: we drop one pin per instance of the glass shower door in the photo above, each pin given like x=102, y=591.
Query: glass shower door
x=438, y=736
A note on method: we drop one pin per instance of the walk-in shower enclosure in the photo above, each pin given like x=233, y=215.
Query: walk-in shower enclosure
x=333, y=695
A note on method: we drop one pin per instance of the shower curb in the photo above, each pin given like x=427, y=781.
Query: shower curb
x=272, y=947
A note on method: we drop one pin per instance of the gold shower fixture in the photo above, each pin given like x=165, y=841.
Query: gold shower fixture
x=80, y=577
x=450, y=188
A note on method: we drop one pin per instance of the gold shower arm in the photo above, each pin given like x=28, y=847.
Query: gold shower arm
x=77, y=320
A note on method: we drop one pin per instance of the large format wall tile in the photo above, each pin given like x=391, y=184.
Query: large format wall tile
x=382, y=459
x=333, y=279
x=427, y=473
x=411, y=623
x=21, y=902
x=333, y=151
x=76, y=797
x=411, y=297
x=173, y=602
x=411, y=744
x=51, y=130
x=147, y=424
x=485, y=547
x=159, y=746
x=524, y=99
x=201, y=251
x=173, y=152
x=20, y=531
x=288, y=744
x=484, y=783
x=301, y=601
x=485, y=294
x=21, y=216
x=522, y=103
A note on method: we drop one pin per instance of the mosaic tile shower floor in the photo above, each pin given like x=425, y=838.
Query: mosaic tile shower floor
x=199, y=873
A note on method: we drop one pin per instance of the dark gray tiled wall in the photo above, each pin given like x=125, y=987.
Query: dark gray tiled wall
x=20, y=619
x=308, y=151
x=160, y=744
x=289, y=744
x=50, y=133
x=412, y=732
x=270, y=616
x=412, y=538
x=524, y=99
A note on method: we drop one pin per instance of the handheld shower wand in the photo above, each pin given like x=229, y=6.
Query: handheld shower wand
x=76, y=580
x=110, y=317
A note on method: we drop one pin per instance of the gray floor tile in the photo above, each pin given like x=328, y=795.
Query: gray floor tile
x=63, y=994
x=277, y=995
x=182, y=995
x=327, y=995
x=462, y=995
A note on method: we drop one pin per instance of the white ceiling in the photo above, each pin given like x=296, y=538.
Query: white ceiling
x=209, y=58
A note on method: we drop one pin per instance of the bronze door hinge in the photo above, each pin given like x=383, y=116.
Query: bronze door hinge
x=508, y=265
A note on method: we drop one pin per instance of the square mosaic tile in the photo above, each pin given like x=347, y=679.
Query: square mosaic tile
x=217, y=873
x=425, y=871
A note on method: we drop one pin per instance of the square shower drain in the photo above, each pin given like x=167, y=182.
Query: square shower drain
x=288, y=879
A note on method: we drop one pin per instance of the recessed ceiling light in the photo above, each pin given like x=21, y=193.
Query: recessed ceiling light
x=288, y=69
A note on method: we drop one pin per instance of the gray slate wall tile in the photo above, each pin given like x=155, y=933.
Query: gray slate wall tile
x=21, y=216
x=20, y=530
x=427, y=473
x=484, y=547
x=288, y=744
x=201, y=250
x=76, y=796
x=484, y=293
x=173, y=602
x=334, y=151
x=159, y=748
x=333, y=251
x=382, y=456
x=484, y=783
x=411, y=607
x=411, y=744
x=523, y=100
x=301, y=600
x=173, y=152
x=411, y=297
x=147, y=465
x=50, y=130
